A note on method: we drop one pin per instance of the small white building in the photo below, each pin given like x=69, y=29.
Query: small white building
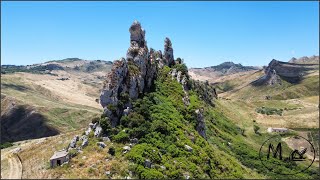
x=59, y=158
x=279, y=130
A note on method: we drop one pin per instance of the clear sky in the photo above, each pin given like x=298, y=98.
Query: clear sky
x=203, y=33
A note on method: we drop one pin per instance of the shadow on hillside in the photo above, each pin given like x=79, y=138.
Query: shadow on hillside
x=22, y=123
x=14, y=86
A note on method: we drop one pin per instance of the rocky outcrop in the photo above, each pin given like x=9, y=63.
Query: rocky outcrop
x=133, y=76
x=168, y=53
x=201, y=126
x=182, y=79
x=277, y=71
x=305, y=60
x=206, y=91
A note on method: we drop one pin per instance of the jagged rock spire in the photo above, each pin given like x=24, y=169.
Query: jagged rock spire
x=168, y=52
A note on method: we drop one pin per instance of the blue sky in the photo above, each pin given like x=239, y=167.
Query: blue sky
x=203, y=33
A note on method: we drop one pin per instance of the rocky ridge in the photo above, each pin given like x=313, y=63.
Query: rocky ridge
x=277, y=71
x=134, y=75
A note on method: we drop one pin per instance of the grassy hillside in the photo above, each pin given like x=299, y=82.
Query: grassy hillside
x=61, y=99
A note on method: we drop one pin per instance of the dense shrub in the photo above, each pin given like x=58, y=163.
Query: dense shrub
x=269, y=111
x=105, y=125
x=122, y=137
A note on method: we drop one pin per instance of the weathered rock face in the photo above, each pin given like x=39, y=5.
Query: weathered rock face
x=133, y=76
x=168, y=52
x=290, y=72
x=182, y=79
x=201, y=126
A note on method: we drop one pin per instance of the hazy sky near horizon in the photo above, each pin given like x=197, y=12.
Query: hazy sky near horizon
x=202, y=33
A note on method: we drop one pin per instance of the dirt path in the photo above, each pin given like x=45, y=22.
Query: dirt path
x=10, y=159
x=14, y=169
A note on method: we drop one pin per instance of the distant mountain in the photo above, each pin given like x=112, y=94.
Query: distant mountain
x=305, y=60
x=220, y=72
x=227, y=68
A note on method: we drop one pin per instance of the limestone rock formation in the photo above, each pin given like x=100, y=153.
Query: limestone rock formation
x=168, y=52
x=133, y=76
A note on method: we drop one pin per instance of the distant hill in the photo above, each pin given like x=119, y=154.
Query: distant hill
x=221, y=72
x=305, y=60
x=227, y=68
x=69, y=64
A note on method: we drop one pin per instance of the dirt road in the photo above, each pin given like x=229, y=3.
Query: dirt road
x=14, y=166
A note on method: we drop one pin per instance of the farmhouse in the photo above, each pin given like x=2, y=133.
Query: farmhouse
x=59, y=158
x=280, y=130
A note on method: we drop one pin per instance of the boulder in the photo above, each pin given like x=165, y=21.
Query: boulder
x=84, y=143
x=73, y=143
x=87, y=132
x=105, y=139
x=83, y=137
x=95, y=125
x=98, y=131
x=126, y=148
x=188, y=148
x=134, y=140
x=101, y=144
x=147, y=163
x=126, y=111
x=91, y=125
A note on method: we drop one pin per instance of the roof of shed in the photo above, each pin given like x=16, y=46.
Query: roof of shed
x=59, y=154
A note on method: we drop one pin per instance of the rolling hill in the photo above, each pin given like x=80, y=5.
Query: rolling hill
x=52, y=97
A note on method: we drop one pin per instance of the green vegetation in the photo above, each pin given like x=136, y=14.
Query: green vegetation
x=269, y=111
x=164, y=125
x=133, y=69
x=225, y=86
x=256, y=129
x=307, y=87
x=6, y=145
